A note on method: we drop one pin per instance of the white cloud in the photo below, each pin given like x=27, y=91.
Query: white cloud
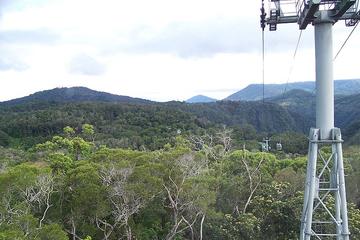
x=160, y=49
x=84, y=64
x=36, y=36
x=11, y=64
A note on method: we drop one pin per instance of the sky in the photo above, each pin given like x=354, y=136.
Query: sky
x=160, y=50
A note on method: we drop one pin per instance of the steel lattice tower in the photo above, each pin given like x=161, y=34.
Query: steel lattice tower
x=324, y=214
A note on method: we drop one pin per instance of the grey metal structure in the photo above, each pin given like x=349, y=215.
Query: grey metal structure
x=265, y=146
x=324, y=214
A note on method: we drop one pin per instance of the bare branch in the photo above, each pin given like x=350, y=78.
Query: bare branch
x=254, y=177
x=184, y=210
x=125, y=202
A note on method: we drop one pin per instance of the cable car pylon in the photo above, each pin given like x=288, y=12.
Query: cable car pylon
x=324, y=214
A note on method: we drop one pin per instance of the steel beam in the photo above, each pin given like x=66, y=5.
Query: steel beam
x=307, y=15
x=342, y=7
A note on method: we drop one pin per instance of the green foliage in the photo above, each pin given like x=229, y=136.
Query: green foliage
x=4, y=139
x=59, y=162
x=292, y=142
x=10, y=157
x=11, y=235
x=61, y=151
x=279, y=211
x=52, y=232
x=245, y=226
x=171, y=193
x=139, y=126
x=87, y=129
x=69, y=131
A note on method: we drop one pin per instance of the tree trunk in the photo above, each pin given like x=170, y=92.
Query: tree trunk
x=173, y=230
x=73, y=229
x=201, y=227
x=128, y=231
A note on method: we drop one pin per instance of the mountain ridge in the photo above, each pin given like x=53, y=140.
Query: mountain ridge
x=201, y=99
x=33, y=118
x=253, y=92
x=72, y=94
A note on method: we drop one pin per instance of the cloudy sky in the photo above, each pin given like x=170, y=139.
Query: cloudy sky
x=160, y=49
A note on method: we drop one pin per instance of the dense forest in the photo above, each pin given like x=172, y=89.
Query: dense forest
x=92, y=169
x=198, y=187
x=139, y=126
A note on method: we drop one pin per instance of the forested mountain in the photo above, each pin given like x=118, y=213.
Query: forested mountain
x=298, y=101
x=347, y=110
x=200, y=99
x=119, y=124
x=136, y=123
x=347, y=116
x=253, y=92
x=265, y=117
x=94, y=169
x=73, y=94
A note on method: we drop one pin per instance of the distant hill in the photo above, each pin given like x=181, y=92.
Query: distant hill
x=253, y=92
x=267, y=117
x=130, y=122
x=296, y=100
x=72, y=94
x=200, y=99
x=347, y=111
x=133, y=122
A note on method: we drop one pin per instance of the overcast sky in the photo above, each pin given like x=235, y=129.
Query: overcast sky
x=160, y=49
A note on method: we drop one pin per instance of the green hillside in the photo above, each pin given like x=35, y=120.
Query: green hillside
x=137, y=123
x=98, y=169
x=253, y=92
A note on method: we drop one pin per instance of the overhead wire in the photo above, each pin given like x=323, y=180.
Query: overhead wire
x=263, y=24
x=346, y=40
x=293, y=62
x=263, y=66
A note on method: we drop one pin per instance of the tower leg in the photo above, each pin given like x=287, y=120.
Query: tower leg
x=335, y=184
x=306, y=219
x=324, y=183
x=342, y=191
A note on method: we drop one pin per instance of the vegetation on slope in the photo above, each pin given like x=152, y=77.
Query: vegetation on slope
x=138, y=126
x=195, y=188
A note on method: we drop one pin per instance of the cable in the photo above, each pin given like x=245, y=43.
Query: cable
x=293, y=62
x=263, y=66
x=263, y=24
x=343, y=45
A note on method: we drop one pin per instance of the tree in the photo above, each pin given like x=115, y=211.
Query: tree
x=82, y=198
x=4, y=139
x=13, y=185
x=38, y=195
x=69, y=131
x=214, y=147
x=131, y=180
x=52, y=232
x=241, y=175
x=254, y=175
x=88, y=131
x=188, y=194
x=124, y=202
x=26, y=192
x=74, y=147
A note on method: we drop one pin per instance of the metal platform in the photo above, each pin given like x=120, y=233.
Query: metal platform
x=305, y=12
